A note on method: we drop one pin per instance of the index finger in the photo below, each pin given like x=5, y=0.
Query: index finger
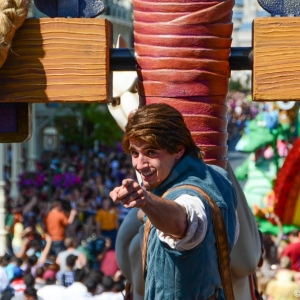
x=127, y=182
x=114, y=193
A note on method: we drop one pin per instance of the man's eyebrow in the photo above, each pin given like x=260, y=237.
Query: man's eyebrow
x=145, y=147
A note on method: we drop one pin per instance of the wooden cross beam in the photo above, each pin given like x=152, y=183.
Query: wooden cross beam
x=63, y=59
x=58, y=60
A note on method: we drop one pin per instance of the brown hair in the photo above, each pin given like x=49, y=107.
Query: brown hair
x=161, y=126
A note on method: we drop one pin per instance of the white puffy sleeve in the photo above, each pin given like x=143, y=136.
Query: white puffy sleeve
x=197, y=225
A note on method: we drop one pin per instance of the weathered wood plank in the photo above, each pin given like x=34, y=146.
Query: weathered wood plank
x=276, y=60
x=58, y=60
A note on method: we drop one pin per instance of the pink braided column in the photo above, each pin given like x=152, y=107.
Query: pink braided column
x=182, y=53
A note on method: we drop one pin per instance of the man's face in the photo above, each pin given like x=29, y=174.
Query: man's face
x=154, y=165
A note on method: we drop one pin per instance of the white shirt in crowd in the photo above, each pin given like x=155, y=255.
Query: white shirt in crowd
x=76, y=290
x=109, y=296
x=52, y=292
x=4, y=282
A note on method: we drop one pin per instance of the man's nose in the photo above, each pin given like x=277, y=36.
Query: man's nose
x=142, y=161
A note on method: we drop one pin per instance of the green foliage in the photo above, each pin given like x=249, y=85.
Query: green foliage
x=235, y=86
x=82, y=124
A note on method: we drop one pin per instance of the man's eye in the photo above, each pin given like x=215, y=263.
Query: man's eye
x=151, y=152
x=134, y=154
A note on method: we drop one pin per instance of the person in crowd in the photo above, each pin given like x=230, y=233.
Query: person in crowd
x=18, y=233
x=77, y=290
x=109, y=292
x=292, y=250
x=30, y=293
x=4, y=282
x=39, y=280
x=51, y=291
x=56, y=222
x=119, y=288
x=270, y=260
x=283, y=285
x=108, y=260
x=9, y=222
x=34, y=261
x=93, y=283
x=12, y=265
x=66, y=278
x=164, y=153
x=29, y=283
x=17, y=282
x=107, y=221
x=70, y=249
x=100, y=187
x=7, y=294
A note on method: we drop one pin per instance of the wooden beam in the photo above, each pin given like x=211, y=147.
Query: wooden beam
x=58, y=60
x=276, y=62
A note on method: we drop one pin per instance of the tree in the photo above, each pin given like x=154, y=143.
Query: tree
x=83, y=124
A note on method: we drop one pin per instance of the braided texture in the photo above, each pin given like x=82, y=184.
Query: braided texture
x=12, y=15
x=182, y=53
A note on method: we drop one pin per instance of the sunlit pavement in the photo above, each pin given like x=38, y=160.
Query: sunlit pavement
x=236, y=158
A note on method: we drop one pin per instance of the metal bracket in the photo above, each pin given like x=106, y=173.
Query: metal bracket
x=70, y=8
x=282, y=8
x=123, y=59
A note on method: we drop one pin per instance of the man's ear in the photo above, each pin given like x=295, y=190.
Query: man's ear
x=180, y=152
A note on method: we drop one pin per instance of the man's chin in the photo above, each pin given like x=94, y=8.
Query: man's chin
x=148, y=186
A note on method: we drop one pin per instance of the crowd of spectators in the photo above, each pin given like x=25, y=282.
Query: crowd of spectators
x=63, y=226
x=279, y=276
x=240, y=110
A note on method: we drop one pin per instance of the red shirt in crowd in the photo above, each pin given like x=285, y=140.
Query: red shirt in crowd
x=292, y=251
x=109, y=264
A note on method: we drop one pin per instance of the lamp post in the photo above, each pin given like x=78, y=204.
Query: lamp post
x=32, y=143
x=14, y=191
x=2, y=204
x=50, y=145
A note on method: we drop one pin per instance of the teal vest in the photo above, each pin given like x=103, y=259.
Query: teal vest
x=192, y=274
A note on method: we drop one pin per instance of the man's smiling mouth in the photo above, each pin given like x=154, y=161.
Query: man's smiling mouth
x=147, y=174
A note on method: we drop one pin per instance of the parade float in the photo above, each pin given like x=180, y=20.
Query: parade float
x=270, y=140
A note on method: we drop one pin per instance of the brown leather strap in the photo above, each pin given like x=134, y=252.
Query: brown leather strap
x=252, y=288
x=147, y=229
x=221, y=240
x=127, y=295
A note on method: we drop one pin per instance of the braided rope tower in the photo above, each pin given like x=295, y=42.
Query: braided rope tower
x=12, y=15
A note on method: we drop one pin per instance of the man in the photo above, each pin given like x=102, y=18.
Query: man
x=70, y=249
x=4, y=282
x=107, y=221
x=109, y=292
x=182, y=255
x=56, y=222
x=77, y=289
x=28, y=280
x=292, y=250
x=51, y=291
x=93, y=284
x=66, y=278
x=30, y=293
x=17, y=282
